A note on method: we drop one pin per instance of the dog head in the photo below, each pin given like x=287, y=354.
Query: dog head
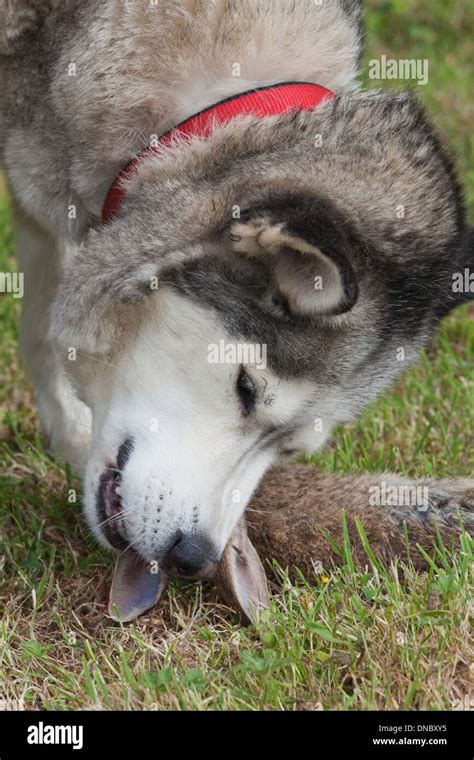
x=258, y=288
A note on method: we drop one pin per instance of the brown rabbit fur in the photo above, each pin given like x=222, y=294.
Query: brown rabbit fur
x=296, y=504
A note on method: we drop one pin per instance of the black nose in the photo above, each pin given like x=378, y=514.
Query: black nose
x=192, y=556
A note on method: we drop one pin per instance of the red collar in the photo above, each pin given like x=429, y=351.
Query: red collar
x=265, y=101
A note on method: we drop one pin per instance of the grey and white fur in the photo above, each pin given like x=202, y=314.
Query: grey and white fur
x=359, y=195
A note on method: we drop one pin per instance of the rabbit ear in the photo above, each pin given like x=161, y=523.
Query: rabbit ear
x=241, y=578
x=135, y=588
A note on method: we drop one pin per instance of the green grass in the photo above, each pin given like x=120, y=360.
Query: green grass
x=393, y=639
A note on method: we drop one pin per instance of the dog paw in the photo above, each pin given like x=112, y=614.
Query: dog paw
x=66, y=424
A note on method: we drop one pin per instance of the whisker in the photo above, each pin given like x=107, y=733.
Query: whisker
x=134, y=543
x=115, y=518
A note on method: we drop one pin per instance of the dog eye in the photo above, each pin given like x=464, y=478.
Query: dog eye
x=246, y=390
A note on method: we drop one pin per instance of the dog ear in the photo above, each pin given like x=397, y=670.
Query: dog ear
x=310, y=249
x=458, y=281
x=463, y=279
x=240, y=576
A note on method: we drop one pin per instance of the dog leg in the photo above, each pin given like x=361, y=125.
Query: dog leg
x=296, y=503
x=66, y=421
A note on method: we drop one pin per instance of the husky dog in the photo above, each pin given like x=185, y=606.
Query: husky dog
x=325, y=239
